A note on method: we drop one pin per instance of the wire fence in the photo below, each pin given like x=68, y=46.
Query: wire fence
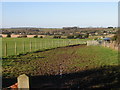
x=17, y=46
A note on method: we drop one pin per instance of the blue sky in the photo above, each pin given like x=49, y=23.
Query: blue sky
x=59, y=14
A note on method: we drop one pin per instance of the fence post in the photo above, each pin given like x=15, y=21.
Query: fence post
x=35, y=44
x=63, y=42
x=6, y=49
x=53, y=43
x=40, y=44
x=15, y=48
x=23, y=82
x=30, y=46
x=45, y=44
x=24, y=46
x=58, y=43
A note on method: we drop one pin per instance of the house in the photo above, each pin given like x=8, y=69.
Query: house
x=30, y=36
x=15, y=36
x=4, y=35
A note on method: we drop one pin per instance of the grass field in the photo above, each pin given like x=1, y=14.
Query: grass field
x=82, y=66
x=72, y=59
x=16, y=46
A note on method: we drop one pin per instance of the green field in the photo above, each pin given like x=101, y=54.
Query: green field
x=74, y=66
x=72, y=59
x=16, y=46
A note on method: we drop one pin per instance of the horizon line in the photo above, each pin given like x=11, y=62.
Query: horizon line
x=61, y=27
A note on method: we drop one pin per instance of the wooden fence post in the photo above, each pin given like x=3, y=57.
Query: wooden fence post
x=58, y=43
x=35, y=45
x=45, y=44
x=23, y=82
x=40, y=44
x=53, y=44
x=30, y=46
x=24, y=46
x=15, y=48
x=5, y=49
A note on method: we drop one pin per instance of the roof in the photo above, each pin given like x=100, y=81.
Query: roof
x=106, y=38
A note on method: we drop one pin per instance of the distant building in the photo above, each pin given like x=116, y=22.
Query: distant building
x=15, y=36
x=69, y=28
x=107, y=39
x=4, y=35
x=110, y=27
x=18, y=35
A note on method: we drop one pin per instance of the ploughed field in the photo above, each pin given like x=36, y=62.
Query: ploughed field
x=73, y=66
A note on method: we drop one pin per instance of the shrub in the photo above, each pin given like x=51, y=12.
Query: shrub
x=114, y=38
x=0, y=35
x=24, y=36
x=96, y=39
x=70, y=37
x=36, y=36
x=86, y=35
x=41, y=36
x=57, y=37
x=8, y=35
x=79, y=36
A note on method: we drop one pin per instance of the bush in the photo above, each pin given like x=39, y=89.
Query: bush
x=114, y=38
x=57, y=37
x=70, y=37
x=8, y=35
x=41, y=36
x=96, y=39
x=86, y=35
x=36, y=36
x=79, y=36
x=24, y=36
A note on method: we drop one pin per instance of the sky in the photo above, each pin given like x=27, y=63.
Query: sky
x=59, y=14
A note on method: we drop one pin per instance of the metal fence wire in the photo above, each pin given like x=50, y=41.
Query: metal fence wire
x=23, y=45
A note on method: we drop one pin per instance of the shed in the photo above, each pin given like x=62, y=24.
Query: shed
x=107, y=39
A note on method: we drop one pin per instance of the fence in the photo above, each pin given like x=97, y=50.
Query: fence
x=111, y=44
x=93, y=43
x=15, y=46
